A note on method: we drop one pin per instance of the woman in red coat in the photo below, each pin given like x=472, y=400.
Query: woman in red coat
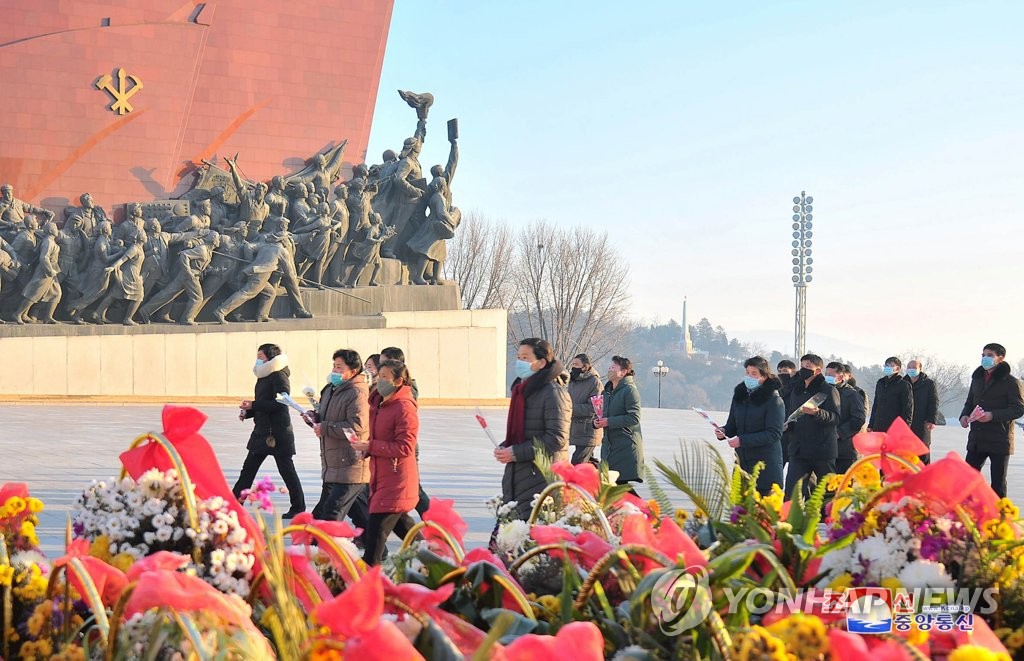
x=394, y=477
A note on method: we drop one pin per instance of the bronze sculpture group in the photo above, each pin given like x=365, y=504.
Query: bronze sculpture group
x=231, y=241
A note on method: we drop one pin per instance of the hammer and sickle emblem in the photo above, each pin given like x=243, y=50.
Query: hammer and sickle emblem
x=122, y=92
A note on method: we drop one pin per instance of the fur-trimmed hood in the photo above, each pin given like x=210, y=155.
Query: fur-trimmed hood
x=758, y=395
x=276, y=364
x=998, y=372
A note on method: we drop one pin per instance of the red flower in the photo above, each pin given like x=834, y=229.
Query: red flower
x=669, y=540
x=583, y=475
x=853, y=647
x=442, y=512
x=481, y=554
x=948, y=482
x=181, y=428
x=418, y=597
x=580, y=641
x=593, y=546
x=898, y=440
x=304, y=570
x=157, y=588
x=161, y=560
x=332, y=528
x=354, y=616
x=12, y=489
x=109, y=580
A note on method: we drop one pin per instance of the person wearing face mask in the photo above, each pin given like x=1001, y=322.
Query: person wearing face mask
x=584, y=383
x=370, y=369
x=999, y=395
x=344, y=404
x=926, y=405
x=394, y=475
x=272, y=433
x=853, y=413
x=785, y=369
x=754, y=427
x=540, y=411
x=623, y=445
x=813, y=440
x=894, y=398
x=394, y=353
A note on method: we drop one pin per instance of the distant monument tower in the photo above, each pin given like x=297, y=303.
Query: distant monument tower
x=685, y=341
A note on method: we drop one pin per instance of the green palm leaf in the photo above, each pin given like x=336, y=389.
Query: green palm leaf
x=701, y=474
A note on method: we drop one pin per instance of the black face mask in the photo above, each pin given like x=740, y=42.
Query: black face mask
x=575, y=372
x=805, y=373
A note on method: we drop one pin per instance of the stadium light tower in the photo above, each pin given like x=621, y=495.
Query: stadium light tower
x=802, y=266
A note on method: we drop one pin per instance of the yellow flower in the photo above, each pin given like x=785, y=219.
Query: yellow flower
x=69, y=652
x=757, y=643
x=100, y=548
x=1008, y=510
x=867, y=475
x=774, y=499
x=38, y=618
x=35, y=505
x=892, y=583
x=36, y=649
x=28, y=531
x=122, y=561
x=916, y=636
x=976, y=653
x=16, y=505
x=1004, y=530
x=841, y=582
x=805, y=636
x=833, y=481
x=680, y=516
x=870, y=524
x=551, y=605
x=6, y=574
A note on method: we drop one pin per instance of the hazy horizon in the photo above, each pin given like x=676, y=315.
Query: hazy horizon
x=694, y=127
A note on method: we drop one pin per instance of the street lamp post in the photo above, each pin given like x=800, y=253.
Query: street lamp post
x=659, y=371
x=802, y=268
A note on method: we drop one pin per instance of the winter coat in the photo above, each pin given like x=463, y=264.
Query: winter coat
x=1001, y=397
x=756, y=417
x=347, y=405
x=623, y=446
x=547, y=419
x=394, y=476
x=894, y=398
x=582, y=432
x=813, y=436
x=853, y=414
x=926, y=407
x=271, y=417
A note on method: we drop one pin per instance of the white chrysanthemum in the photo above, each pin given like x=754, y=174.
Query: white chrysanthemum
x=884, y=558
x=925, y=574
x=836, y=562
x=513, y=536
x=217, y=557
x=220, y=527
x=163, y=533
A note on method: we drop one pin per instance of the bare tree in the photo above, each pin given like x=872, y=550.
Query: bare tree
x=950, y=377
x=571, y=290
x=478, y=262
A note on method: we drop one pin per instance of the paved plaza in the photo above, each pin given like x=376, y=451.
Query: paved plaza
x=58, y=449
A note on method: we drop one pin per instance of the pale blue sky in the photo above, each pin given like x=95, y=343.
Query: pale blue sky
x=685, y=129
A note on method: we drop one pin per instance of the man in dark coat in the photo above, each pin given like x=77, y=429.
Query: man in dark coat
x=853, y=413
x=998, y=394
x=813, y=440
x=584, y=383
x=894, y=398
x=272, y=434
x=926, y=405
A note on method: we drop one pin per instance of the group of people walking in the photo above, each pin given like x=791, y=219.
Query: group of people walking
x=367, y=423
x=799, y=423
x=806, y=418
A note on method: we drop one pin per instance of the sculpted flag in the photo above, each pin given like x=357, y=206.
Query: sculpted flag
x=181, y=428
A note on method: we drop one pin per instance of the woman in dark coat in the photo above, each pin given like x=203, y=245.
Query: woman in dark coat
x=584, y=383
x=394, y=475
x=541, y=411
x=623, y=446
x=754, y=427
x=272, y=434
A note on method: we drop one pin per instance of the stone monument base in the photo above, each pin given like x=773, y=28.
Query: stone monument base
x=456, y=356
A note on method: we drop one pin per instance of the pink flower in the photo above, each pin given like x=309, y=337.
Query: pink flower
x=670, y=540
x=442, y=512
x=583, y=475
x=592, y=546
x=580, y=641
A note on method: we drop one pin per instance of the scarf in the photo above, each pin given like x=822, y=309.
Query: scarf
x=515, y=429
